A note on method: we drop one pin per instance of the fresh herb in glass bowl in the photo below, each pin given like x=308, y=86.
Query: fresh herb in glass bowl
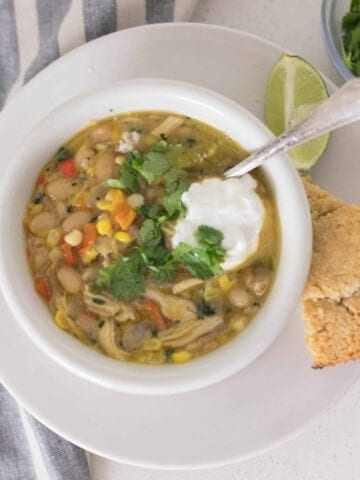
x=351, y=37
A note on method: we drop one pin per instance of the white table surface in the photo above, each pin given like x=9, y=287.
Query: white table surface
x=330, y=448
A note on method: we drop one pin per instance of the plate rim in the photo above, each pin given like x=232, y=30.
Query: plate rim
x=32, y=409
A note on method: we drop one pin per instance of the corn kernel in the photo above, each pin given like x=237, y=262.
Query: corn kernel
x=152, y=344
x=104, y=227
x=90, y=171
x=36, y=208
x=61, y=320
x=135, y=200
x=103, y=205
x=156, y=358
x=181, y=356
x=120, y=159
x=123, y=237
x=111, y=194
x=74, y=238
x=43, y=234
x=224, y=282
x=53, y=238
x=238, y=324
x=88, y=255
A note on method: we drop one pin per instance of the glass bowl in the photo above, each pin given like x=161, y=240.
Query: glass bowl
x=332, y=12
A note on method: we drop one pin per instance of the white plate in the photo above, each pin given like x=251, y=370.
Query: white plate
x=266, y=403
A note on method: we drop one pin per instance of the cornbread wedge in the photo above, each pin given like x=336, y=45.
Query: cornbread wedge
x=331, y=299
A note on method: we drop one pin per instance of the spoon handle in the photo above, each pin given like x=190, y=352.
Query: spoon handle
x=342, y=108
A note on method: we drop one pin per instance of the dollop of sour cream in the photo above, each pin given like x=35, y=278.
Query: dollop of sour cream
x=229, y=205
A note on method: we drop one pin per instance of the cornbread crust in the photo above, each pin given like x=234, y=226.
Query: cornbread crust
x=331, y=299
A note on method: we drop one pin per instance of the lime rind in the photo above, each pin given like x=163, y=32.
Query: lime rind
x=294, y=89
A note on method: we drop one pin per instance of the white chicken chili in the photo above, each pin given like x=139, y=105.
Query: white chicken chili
x=138, y=245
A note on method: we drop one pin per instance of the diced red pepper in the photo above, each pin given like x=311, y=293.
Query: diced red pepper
x=69, y=253
x=155, y=315
x=89, y=238
x=67, y=167
x=43, y=287
x=41, y=179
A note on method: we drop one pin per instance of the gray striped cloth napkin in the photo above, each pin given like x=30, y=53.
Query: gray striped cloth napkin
x=33, y=33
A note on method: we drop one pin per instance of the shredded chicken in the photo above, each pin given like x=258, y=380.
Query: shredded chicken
x=189, y=331
x=106, y=306
x=186, y=284
x=168, y=125
x=107, y=339
x=172, y=307
x=128, y=141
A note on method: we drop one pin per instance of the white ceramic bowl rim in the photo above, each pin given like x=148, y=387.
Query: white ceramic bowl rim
x=207, y=106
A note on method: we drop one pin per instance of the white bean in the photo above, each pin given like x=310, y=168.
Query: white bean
x=101, y=133
x=58, y=189
x=83, y=157
x=76, y=220
x=42, y=222
x=60, y=208
x=70, y=279
x=239, y=297
x=135, y=200
x=105, y=166
x=39, y=258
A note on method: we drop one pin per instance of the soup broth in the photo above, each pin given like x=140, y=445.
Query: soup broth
x=98, y=230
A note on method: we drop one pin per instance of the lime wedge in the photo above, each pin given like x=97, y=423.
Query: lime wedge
x=294, y=89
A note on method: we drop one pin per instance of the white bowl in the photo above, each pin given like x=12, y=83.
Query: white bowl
x=172, y=96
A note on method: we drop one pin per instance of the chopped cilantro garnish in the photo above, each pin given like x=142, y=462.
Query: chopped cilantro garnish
x=128, y=175
x=98, y=301
x=152, y=165
x=38, y=198
x=160, y=146
x=149, y=231
x=172, y=201
x=63, y=154
x=123, y=279
x=205, y=260
x=204, y=309
x=189, y=142
x=197, y=261
x=209, y=236
x=150, y=211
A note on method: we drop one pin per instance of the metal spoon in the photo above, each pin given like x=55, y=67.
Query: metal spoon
x=342, y=108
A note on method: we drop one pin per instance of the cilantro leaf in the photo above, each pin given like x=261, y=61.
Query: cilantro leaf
x=172, y=201
x=149, y=211
x=160, y=146
x=128, y=178
x=172, y=176
x=196, y=260
x=63, y=154
x=209, y=236
x=149, y=231
x=114, y=183
x=165, y=272
x=154, y=165
x=189, y=142
x=123, y=279
x=205, y=260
